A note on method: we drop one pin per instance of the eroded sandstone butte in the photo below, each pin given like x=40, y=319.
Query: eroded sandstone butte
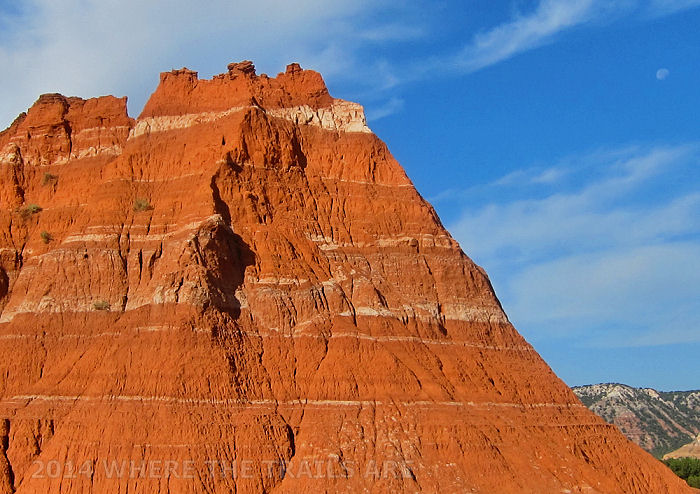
x=241, y=291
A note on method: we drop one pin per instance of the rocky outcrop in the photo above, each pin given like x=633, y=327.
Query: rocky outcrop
x=241, y=291
x=57, y=129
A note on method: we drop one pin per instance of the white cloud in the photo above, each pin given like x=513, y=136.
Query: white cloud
x=392, y=106
x=532, y=176
x=549, y=19
x=525, y=32
x=616, y=247
x=632, y=296
x=393, y=32
x=93, y=47
x=665, y=7
x=589, y=216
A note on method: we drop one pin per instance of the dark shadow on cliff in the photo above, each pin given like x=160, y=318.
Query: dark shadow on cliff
x=227, y=256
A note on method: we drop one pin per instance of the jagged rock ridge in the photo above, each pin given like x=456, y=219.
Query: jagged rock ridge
x=241, y=291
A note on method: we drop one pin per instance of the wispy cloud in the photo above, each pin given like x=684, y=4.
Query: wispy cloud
x=92, y=47
x=549, y=19
x=525, y=32
x=607, y=250
x=665, y=7
x=533, y=176
x=393, y=32
x=389, y=108
x=630, y=296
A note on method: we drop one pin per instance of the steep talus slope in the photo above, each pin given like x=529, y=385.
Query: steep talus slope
x=243, y=289
x=657, y=421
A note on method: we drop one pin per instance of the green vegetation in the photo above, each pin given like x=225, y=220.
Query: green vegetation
x=686, y=468
x=49, y=179
x=30, y=209
x=46, y=237
x=100, y=305
x=141, y=205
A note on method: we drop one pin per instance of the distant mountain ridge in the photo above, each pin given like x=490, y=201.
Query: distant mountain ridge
x=658, y=421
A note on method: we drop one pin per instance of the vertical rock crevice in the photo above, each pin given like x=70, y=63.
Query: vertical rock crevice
x=7, y=475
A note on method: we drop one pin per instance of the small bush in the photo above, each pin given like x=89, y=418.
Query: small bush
x=100, y=305
x=686, y=468
x=49, y=179
x=694, y=481
x=141, y=205
x=46, y=237
x=29, y=210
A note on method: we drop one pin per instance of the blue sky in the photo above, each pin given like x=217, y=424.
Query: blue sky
x=558, y=139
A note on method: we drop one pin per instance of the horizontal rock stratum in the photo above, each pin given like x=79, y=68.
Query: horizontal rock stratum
x=241, y=291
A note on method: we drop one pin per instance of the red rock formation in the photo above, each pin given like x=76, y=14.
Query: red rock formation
x=242, y=291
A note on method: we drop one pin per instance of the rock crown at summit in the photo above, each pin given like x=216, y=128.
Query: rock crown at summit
x=296, y=94
x=181, y=91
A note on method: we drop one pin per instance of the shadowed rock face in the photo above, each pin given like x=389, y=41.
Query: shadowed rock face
x=241, y=291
